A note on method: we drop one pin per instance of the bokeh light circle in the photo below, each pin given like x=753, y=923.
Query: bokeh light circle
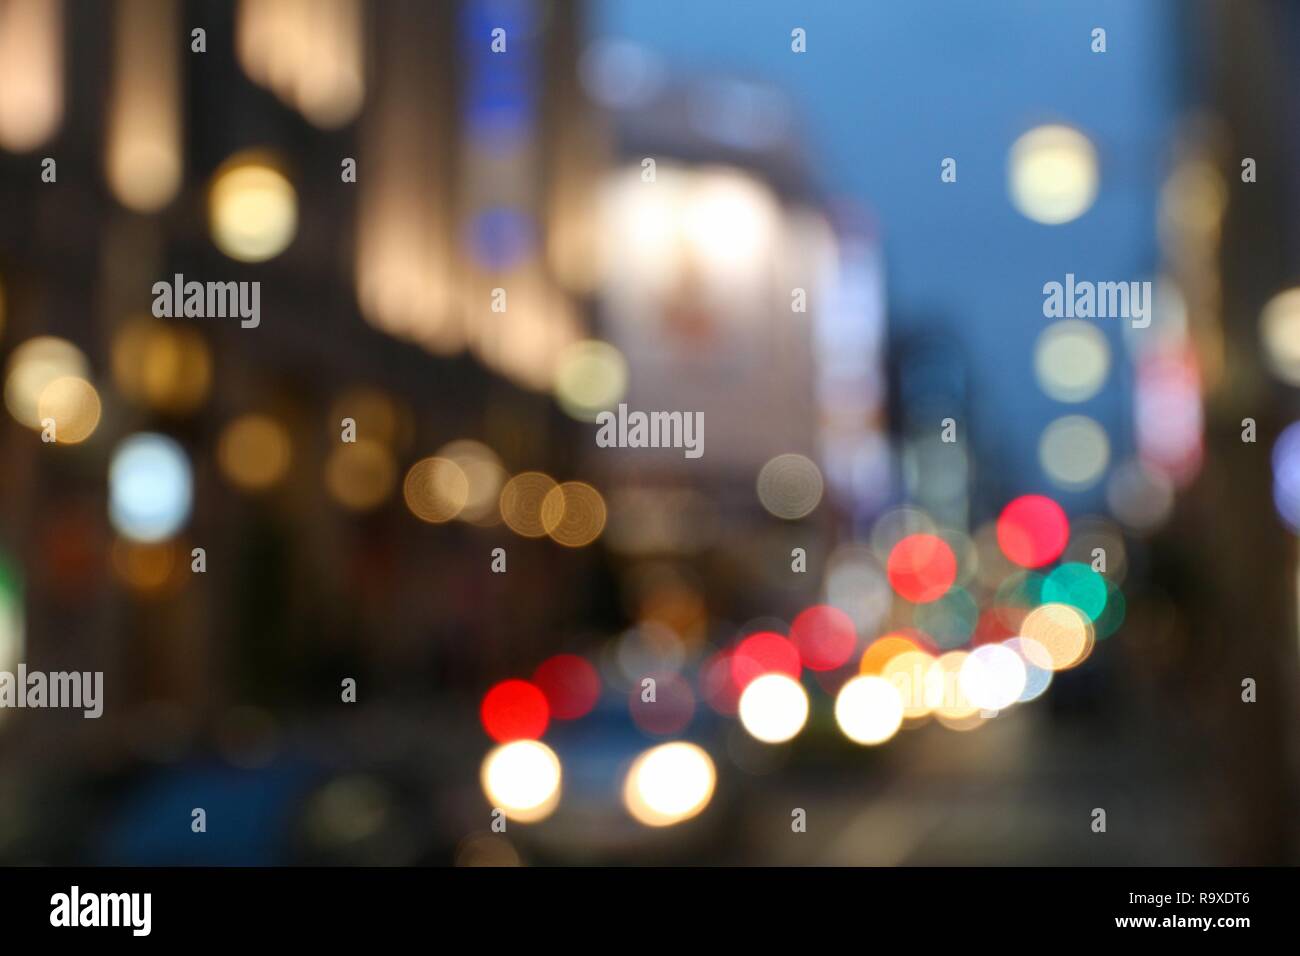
x=522, y=500
x=1033, y=531
x=1071, y=360
x=254, y=452
x=773, y=708
x=522, y=778
x=573, y=514
x=252, y=209
x=824, y=636
x=869, y=710
x=1063, y=631
x=1074, y=452
x=590, y=377
x=1078, y=585
x=570, y=684
x=435, y=489
x=669, y=784
x=764, y=652
x=992, y=677
x=790, y=486
x=72, y=405
x=150, y=487
x=32, y=367
x=514, y=710
x=921, y=568
x=1052, y=174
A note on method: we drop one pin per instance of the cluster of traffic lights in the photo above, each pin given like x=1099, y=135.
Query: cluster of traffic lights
x=1040, y=622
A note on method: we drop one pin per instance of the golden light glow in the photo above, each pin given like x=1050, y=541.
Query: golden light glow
x=145, y=567
x=521, y=503
x=773, y=708
x=308, y=52
x=573, y=514
x=1279, y=327
x=31, y=72
x=252, y=208
x=1064, y=632
x=1053, y=174
x=72, y=405
x=881, y=651
x=484, y=475
x=943, y=691
x=522, y=778
x=376, y=414
x=435, y=489
x=907, y=673
x=34, y=365
x=143, y=157
x=404, y=231
x=669, y=784
x=254, y=452
x=160, y=365
x=869, y=710
x=360, y=475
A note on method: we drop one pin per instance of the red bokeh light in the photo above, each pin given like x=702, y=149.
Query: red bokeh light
x=764, y=653
x=514, y=710
x=570, y=684
x=824, y=636
x=922, y=568
x=1033, y=531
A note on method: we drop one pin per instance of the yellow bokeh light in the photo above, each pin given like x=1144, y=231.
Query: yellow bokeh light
x=252, y=209
x=1052, y=173
x=521, y=503
x=1279, y=327
x=522, y=778
x=1064, y=632
x=161, y=366
x=145, y=567
x=907, y=672
x=669, y=784
x=377, y=416
x=869, y=710
x=72, y=406
x=881, y=651
x=773, y=708
x=254, y=452
x=435, y=489
x=943, y=690
x=484, y=476
x=360, y=474
x=573, y=514
x=33, y=366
